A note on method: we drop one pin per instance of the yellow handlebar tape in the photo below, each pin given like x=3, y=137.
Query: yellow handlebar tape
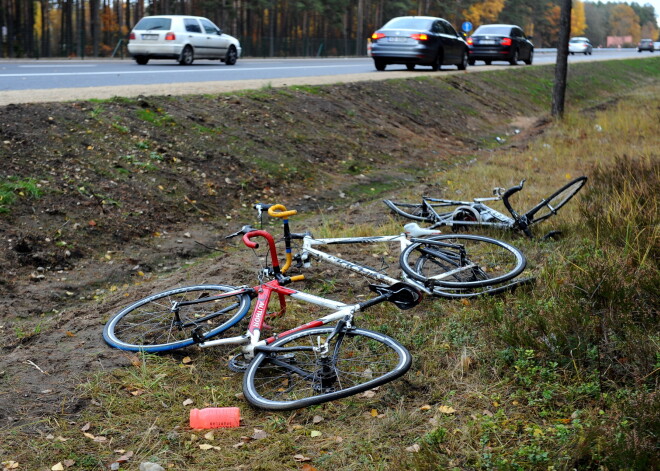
x=298, y=278
x=279, y=211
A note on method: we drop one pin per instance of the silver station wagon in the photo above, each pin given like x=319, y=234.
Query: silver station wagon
x=183, y=38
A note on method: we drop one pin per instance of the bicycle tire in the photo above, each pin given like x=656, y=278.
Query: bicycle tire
x=148, y=325
x=549, y=206
x=488, y=262
x=416, y=212
x=365, y=359
x=460, y=293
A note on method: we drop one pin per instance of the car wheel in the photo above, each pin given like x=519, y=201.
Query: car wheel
x=471, y=61
x=187, y=56
x=437, y=63
x=514, y=58
x=410, y=66
x=530, y=59
x=142, y=60
x=380, y=64
x=232, y=56
x=464, y=61
x=487, y=62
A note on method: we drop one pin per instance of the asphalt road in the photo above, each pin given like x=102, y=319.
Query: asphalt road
x=69, y=79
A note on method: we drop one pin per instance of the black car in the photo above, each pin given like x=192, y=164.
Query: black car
x=500, y=43
x=418, y=40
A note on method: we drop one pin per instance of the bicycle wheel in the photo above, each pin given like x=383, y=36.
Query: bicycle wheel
x=152, y=325
x=549, y=206
x=461, y=262
x=358, y=360
x=416, y=212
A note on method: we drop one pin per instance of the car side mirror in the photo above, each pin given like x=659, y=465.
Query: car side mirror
x=219, y=32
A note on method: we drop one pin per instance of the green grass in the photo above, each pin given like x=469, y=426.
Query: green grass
x=14, y=188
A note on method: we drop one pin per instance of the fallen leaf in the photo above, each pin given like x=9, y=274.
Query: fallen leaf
x=89, y=435
x=315, y=433
x=125, y=457
x=209, y=436
x=186, y=360
x=317, y=419
x=425, y=407
x=446, y=409
x=301, y=458
x=10, y=465
x=238, y=445
x=68, y=463
x=187, y=402
x=205, y=446
x=369, y=394
x=259, y=434
x=100, y=439
x=374, y=413
x=413, y=448
x=57, y=467
x=308, y=467
x=85, y=427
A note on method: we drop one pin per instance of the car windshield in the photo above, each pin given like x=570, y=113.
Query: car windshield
x=408, y=23
x=153, y=23
x=495, y=30
x=578, y=40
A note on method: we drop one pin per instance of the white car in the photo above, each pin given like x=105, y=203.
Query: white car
x=184, y=38
x=580, y=46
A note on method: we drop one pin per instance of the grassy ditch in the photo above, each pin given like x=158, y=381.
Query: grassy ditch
x=562, y=375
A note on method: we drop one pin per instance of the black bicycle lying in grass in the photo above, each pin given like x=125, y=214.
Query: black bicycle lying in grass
x=463, y=214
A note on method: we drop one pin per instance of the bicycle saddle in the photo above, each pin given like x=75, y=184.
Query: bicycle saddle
x=403, y=295
x=413, y=230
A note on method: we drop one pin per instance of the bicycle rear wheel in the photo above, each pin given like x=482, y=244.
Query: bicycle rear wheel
x=416, y=212
x=462, y=263
x=549, y=206
x=358, y=360
x=154, y=324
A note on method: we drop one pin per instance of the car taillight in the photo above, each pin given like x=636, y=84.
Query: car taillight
x=470, y=41
x=505, y=42
x=131, y=36
x=419, y=36
x=376, y=36
x=170, y=36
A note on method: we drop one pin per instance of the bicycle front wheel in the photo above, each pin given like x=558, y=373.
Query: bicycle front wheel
x=461, y=262
x=159, y=323
x=549, y=206
x=299, y=376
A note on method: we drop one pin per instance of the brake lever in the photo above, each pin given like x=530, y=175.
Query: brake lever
x=244, y=230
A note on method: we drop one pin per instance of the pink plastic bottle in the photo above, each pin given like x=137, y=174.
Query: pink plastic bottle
x=215, y=417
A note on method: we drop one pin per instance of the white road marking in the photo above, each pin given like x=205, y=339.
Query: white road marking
x=195, y=70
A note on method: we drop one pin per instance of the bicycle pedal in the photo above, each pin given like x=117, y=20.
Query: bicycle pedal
x=197, y=335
